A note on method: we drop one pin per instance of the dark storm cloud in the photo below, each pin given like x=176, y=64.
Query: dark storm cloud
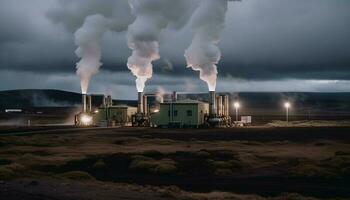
x=263, y=40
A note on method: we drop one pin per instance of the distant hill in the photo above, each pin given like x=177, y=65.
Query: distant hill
x=339, y=102
x=276, y=99
x=46, y=98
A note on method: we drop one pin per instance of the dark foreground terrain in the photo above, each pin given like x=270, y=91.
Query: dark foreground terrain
x=143, y=163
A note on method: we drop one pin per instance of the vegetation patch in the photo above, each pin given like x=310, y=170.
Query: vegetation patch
x=14, y=170
x=150, y=165
x=225, y=168
x=77, y=175
x=99, y=164
x=202, y=153
x=311, y=170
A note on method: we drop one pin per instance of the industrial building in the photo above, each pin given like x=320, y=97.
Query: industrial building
x=105, y=115
x=114, y=116
x=183, y=113
x=193, y=113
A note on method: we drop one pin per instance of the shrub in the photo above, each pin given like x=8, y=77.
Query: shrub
x=6, y=173
x=77, y=175
x=149, y=165
x=202, y=154
x=11, y=171
x=100, y=164
x=342, y=153
x=311, y=171
x=231, y=165
x=223, y=172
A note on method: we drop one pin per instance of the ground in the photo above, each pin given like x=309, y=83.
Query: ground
x=145, y=163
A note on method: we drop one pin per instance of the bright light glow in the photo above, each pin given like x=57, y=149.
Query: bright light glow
x=156, y=111
x=96, y=111
x=86, y=119
x=287, y=105
x=237, y=105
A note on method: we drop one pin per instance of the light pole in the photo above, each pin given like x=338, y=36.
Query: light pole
x=236, y=105
x=287, y=105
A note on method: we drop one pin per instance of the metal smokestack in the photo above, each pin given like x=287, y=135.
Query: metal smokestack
x=145, y=104
x=109, y=101
x=212, y=103
x=140, y=103
x=174, y=96
x=226, y=104
x=89, y=103
x=84, y=102
x=219, y=105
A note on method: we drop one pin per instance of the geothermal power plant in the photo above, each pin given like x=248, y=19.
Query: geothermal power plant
x=153, y=111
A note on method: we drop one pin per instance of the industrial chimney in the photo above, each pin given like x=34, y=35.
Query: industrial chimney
x=89, y=103
x=145, y=105
x=109, y=101
x=212, y=103
x=174, y=96
x=140, y=103
x=219, y=105
x=84, y=103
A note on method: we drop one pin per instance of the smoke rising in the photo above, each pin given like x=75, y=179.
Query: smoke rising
x=72, y=14
x=88, y=38
x=152, y=16
x=203, y=55
x=94, y=17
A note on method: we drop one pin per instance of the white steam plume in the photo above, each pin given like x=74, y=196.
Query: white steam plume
x=152, y=16
x=71, y=14
x=204, y=54
x=88, y=38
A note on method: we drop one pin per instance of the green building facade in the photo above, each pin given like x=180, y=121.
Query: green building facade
x=114, y=115
x=184, y=113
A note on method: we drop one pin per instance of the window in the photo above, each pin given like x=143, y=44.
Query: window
x=189, y=113
x=175, y=113
x=168, y=113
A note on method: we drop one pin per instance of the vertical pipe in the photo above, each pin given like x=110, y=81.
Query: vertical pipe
x=140, y=103
x=219, y=105
x=145, y=104
x=224, y=106
x=89, y=103
x=174, y=96
x=212, y=103
x=228, y=105
x=84, y=102
x=109, y=101
x=104, y=102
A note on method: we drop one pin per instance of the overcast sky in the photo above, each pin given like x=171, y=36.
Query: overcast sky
x=267, y=45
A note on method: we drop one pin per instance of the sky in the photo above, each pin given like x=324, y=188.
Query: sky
x=269, y=45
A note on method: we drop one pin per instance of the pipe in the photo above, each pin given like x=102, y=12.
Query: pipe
x=109, y=101
x=145, y=104
x=219, y=106
x=212, y=103
x=174, y=96
x=140, y=102
x=225, y=104
x=89, y=103
x=84, y=103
